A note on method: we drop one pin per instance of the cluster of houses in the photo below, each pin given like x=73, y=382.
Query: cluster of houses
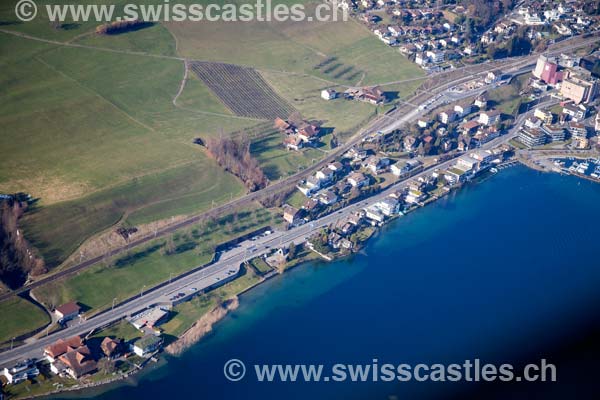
x=435, y=41
x=561, y=18
x=298, y=135
x=73, y=357
x=373, y=95
x=462, y=126
x=340, y=236
x=344, y=180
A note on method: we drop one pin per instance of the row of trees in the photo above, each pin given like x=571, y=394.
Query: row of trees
x=18, y=259
x=115, y=27
x=233, y=154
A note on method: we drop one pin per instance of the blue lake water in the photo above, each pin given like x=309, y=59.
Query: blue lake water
x=495, y=271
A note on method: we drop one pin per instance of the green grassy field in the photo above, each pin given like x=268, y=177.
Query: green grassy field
x=24, y=317
x=304, y=93
x=92, y=131
x=126, y=275
x=507, y=98
x=276, y=161
x=342, y=52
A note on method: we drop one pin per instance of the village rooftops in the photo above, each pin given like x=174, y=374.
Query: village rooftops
x=110, y=346
x=79, y=362
x=61, y=346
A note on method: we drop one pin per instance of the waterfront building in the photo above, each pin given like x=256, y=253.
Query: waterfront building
x=556, y=133
x=532, y=137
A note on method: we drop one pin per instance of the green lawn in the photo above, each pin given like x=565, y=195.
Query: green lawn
x=304, y=93
x=122, y=329
x=342, y=52
x=507, y=98
x=101, y=139
x=276, y=161
x=124, y=276
x=19, y=317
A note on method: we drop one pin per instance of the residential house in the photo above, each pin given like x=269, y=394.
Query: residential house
x=327, y=197
x=328, y=94
x=61, y=346
x=463, y=109
x=409, y=143
x=21, y=372
x=490, y=117
x=414, y=196
x=421, y=123
x=291, y=215
x=147, y=345
x=76, y=363
x=67, y=311
x=481, y=101
x=373, y=213
x=111, y=347
x=309, y=133
x=447, y=116
x=456, y=175
x=293, y=142
x=388, y=206
x=470, y=127
x=356, y=179
x=325, y=175
x=372, y=95
x=336, y=166
x=376, y=164
x=435, y=56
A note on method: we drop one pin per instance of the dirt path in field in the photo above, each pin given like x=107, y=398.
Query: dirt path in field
x=182, y=85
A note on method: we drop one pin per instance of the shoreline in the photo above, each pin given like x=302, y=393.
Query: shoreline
x=206, y=323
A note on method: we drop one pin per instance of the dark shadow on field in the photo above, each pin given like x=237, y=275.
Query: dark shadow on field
x=271, y=171
x=131, y=258
x=70, y=26
x=168, y=339
x=133, y=28
x=491, y=104
x=7, y=23
x=326, y=130
x=390, y=96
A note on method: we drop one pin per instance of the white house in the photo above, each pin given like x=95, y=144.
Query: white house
x=356, y=179
x=489, y=117
x=147, y=345
x=328, y=94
